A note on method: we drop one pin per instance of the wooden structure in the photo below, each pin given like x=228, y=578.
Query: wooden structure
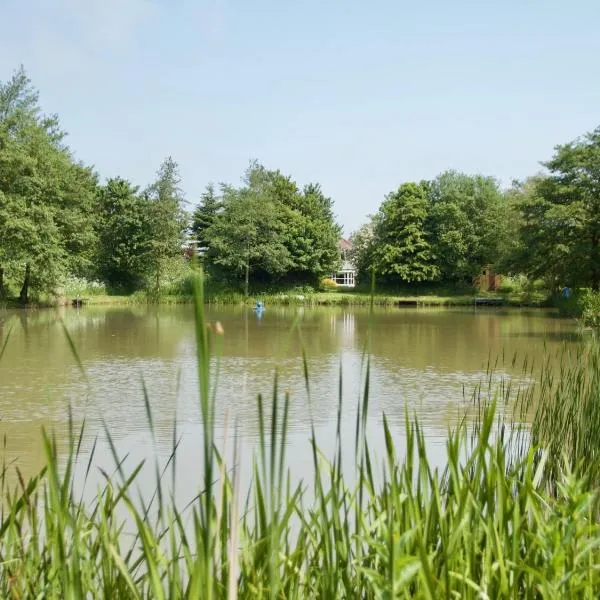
x=488, y=280
x=488, y=301
x=346, y=276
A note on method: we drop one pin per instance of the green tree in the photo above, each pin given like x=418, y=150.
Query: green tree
x=363, y=248
x=310, y=232
x=204, y=215
x=167, y=222
x=402, y=248
x=465, y=223
x=247, y=236
x=564, y=212
x=46, y=199
x=511, y=250
x=123, y=226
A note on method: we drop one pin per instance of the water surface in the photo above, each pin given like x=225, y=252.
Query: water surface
x=426, y=360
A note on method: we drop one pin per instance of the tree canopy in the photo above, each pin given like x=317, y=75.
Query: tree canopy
x=270, y=229
x=58, y=220
x=403, y=249
x=46, y=197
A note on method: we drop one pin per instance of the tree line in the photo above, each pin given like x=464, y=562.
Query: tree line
x=267, y=228
x=445, y=230
x=58, y=220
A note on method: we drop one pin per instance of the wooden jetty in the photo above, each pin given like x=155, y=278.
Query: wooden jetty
x=407, y=302
x=488, y=301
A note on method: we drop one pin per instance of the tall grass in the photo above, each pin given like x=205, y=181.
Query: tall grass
x=503, y=519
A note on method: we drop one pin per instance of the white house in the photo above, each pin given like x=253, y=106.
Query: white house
x=346, y=275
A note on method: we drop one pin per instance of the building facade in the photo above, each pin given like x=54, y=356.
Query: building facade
x=346, y=274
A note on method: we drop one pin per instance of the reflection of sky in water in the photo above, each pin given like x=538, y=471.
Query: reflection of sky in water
x=428, y=362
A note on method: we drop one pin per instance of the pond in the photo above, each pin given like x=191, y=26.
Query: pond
x=426, y=360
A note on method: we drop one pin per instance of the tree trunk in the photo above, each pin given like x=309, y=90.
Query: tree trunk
x=24, y=295
x=2, y=290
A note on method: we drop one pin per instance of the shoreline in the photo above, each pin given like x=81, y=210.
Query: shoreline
x=311, y=300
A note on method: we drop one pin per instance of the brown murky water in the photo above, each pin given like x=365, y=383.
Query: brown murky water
x=420, y=358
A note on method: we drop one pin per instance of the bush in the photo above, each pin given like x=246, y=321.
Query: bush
x=590, y=308
x=514, y=284
x=80, y=286
x=328, y=285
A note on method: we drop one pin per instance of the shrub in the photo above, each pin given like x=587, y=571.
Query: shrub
x=513, y=284
x=328, y=284
x=590, y=308
x=80, y=286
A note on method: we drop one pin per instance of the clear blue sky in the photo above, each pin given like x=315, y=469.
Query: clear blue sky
x=359, y=96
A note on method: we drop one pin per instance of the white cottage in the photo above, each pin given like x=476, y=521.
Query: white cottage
x=346, y=275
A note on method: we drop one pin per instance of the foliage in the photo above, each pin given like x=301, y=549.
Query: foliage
x=46, y=198
x=512, y=284
x=57, y=222
x=123, y=251
x=328, y=284
x=204, y=215
x=363, y=244
x=81, y=287
x=465, y=219
x=166, y=220
x=402, y=248
x=590, y=305
x=311, y=234
x=269, y=229
x=566, y=421
x=512, y=515
x=561, y=213
x=547, y=235
x=447, y=229
x=247, y=236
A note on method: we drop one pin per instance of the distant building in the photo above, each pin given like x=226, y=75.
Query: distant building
x=488, y=280
x=191, y=249
x=346, y=275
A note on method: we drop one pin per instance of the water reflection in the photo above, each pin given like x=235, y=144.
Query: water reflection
x=422, y=359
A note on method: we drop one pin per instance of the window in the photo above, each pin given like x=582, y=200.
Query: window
x=345, y=278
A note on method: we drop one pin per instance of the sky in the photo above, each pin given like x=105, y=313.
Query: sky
x=358, y=96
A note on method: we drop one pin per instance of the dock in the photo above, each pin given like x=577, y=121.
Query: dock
x=488, y=301
x=409, y=302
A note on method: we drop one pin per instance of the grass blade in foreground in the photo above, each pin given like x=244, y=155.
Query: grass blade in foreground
x=513, y=516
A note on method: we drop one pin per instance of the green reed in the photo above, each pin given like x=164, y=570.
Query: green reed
x=514, y=513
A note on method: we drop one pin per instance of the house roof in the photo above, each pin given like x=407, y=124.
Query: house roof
x=345, y=244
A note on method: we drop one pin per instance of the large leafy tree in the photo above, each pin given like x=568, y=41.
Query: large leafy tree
x=363, y=248
x=270, y=229
x=247, y=235
x=465, y=221
x=45, y=196
x=561, y=217
x=124, y=257
x=166, y=220
x=402, y=249
x=310, y=232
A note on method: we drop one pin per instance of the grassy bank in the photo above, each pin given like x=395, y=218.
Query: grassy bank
x=180, y=291
x=513, y=515
x=329, y=298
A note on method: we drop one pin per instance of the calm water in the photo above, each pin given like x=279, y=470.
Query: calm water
x=421, y=358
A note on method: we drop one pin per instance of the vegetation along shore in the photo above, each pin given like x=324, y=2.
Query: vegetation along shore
x=69, y=235
x=493, y=523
